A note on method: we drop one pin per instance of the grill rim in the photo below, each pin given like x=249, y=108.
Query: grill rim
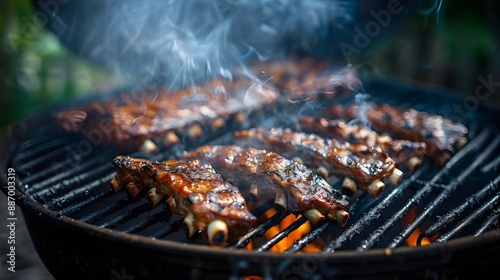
x=435, y=252
x=29, y=206
x=211, y=262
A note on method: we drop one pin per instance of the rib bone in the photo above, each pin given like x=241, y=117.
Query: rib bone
x=193, y=189
x=348, y=186
x=376, y=188
x=402, y=151
x=314, y=216
x=442, y=136
x=217, y=232
x=360, y=163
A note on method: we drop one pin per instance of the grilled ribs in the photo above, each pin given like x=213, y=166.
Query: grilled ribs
x=265, y=174
x=308, y=78
x=165, y=115
x=442, y=136
x=358, y=164
x=209, y=203
x=404, y=152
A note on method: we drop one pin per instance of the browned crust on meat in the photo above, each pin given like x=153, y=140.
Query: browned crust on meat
x=404, y=152
x=293, y=185
x=360, y=163
x=199, y=193
x=442, y=136
x=131, y=118
x=308, y=78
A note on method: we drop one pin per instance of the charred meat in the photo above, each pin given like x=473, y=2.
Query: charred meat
x=442, y=136
x=308, y=78
x=163, y=115
x=266, y=174
x=360, y=165
x=194, y=190
x=404, y=152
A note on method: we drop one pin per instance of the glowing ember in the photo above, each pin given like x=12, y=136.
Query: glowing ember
x=411, y=241
x=288, y=241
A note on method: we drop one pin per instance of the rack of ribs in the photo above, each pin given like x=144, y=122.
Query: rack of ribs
x=308, y=78
x=360, y=166
x=194, y=190
x=163, y=116
x=442, y=136
x=266, y=174
x=404, y=152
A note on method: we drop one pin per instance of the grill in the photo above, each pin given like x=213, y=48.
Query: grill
x=82, y=229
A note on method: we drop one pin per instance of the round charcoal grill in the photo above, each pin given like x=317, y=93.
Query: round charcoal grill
x=83, y=230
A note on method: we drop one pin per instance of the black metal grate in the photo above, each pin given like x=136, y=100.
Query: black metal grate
x=70, y=175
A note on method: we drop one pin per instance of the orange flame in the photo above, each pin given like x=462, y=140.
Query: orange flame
x=288, y=241
x=412, y=239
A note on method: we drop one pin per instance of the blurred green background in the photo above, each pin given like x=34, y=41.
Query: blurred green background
x=452, y=47
x=36, y=70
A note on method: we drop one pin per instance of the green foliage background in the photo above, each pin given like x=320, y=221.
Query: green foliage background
x=36, y=70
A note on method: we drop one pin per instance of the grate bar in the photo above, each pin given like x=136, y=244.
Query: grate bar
x=171, y=228
x=373, y=214
x=422, y=183
x=30, y=166
x=149, y=221
x=43, y=135
x=487, y=168
x=282, y=234
x=310, y=237
x=364, y=201
x=103, y=212
x=118, y=220
x=76, y=174
x=260, y=229
x=40, y=147
x=306, y=240
x=468, y=220
x=51, y=170
x=470, y=202
x=64, y=186
x=65, y=200
x=423, y=192
x=491, y=220
x=72, y=209
x=444, y=195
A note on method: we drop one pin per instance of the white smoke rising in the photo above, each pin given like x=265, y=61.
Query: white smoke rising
x=180, y=42
x=363, y=101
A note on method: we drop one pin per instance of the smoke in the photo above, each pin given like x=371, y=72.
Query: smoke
x=427, y=8
x=181, y=42
x=363, y=101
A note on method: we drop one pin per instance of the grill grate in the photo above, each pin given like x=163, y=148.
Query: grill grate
x=460, y=199
x=426, y=190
